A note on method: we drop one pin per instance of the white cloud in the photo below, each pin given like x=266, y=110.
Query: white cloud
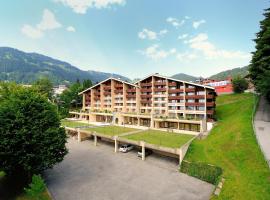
x=151, y=35
x=175, y=22
x=201, y=44
x=196, y=24
x=186, y=56
x=147, y=34
x=48, y=22
x=154, y=52
x=81, y=6
x=31, y=32
x=183, y=36
x=70, y=29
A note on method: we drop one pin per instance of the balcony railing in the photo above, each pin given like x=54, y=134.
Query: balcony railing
x=146, y=84
x=175, y=90
x=172, y=83
x=146, y=101
x=146, y=96
x=175, y=97
x=146, y=90
x=107, y=93
x=106, y=87
x=195, y=104
x=159, y=89
x=131, y=96
x=210, y=104
x=210, y=112
x=209, y=96
x=159, y=83
x=118, y=91
x=131, y=90
x=195, y=96
x=190, y=89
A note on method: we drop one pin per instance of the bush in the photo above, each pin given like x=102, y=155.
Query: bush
x=36, y=188
x=239, y=84
x=202, y=171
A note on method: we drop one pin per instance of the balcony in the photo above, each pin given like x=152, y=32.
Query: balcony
x=194, y=96
x=118, y=85
x=195, y=104
x=131, y=96
x=97, y=93
x=146, y=96
x=106, y=87
x=159, y=89
x=210, y=104
x=175, y=97
x=107, y=93
x=210, y=112
x=131, y=90
x=146, y=84
x=176, y=104
x=118, y=91
x=96, y=98
x=157, y=83
x=172, y=84
x=146, y=90
x=146, y=101
x=175, y=90
x=209, y=96
x=190, y=89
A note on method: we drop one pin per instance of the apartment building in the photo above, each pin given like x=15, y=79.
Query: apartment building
x=155, y=101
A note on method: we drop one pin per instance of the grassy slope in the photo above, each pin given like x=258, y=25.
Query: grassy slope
x=173, y=140
x=111, y=130
x=232, y=145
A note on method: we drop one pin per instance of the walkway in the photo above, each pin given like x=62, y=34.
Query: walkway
x=262, y=127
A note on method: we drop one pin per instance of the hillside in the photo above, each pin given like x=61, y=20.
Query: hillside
x=232, y=146
x=184, y=77
x=21, y=67
x=242, y=71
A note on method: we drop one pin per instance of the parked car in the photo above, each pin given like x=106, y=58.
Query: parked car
x=147, y=152
x=126, y=148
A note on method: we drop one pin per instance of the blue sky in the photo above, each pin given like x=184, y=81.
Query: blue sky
x=135, y=37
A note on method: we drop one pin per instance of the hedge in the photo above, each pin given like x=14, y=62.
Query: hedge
x=202, y=171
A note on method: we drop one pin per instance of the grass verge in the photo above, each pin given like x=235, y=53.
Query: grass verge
x=72, y=124
x=232, y=145
x=161, y=138
x=111, y=130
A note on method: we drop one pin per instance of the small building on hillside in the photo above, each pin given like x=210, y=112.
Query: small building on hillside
x=221, y=86
x=57, y=90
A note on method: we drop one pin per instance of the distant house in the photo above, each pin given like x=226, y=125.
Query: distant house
x=57, y=90
x=221, y=86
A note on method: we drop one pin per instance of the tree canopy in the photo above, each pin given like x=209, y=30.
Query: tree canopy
x=44, y=86
x=31, y=139
x=239, y=84
x=260, y=63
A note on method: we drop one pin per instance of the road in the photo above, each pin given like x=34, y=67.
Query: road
x=262, y=127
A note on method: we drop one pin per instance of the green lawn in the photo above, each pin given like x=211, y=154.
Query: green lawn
x=72, y=124
x=232, y=145
x=173, y=140
x=111, y=130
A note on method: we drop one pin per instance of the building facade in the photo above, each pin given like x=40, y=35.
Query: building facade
x=221, y=86
x=155, y=102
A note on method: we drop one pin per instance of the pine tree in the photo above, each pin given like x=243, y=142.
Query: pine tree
x=260, y=63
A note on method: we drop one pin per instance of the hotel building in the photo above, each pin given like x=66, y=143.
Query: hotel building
x=156, y=102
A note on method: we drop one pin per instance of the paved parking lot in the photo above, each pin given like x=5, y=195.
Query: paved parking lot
x=97, y=173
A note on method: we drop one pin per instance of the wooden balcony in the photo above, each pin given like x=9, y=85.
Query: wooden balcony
x=97, y=93
x=159, y=83
x=106, y=93
x=175, y=97
x=131, y=96
x=146, y=101
x=146, y=96
x=146, y=84
x=96, y=98
x=195, y=104
x=118, y=91
x=175, y=90
x=194, y=96
x=172, y=84
x=209, y=96
x=118, y=85
x=146, y=90
x=159, y=89
x=131, y=90
x=107, y=87
x=190, y=89
x=210, y=112
x=210, y=104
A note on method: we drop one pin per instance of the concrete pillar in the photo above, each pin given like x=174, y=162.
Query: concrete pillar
x=115, y=144
x=79, y=135
x=143, y=150
x=180, y=156
x=152, y=121
x=95, y=140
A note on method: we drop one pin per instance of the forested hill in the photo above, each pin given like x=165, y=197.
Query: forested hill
x=22, y=67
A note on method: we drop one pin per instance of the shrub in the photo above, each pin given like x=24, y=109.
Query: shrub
x=202, y=171
x=239, y=84
x=36, y=188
